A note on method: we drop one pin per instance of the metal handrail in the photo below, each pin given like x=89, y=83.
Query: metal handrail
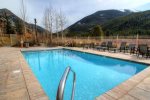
x=61, y=87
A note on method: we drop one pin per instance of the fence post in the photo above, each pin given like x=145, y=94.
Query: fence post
x=117, y=39
x=88, y=40
x=10, y=39
x=137, y=40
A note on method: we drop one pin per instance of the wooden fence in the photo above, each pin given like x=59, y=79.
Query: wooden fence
x=8, y=39
x=97, y=40
x=13, y=39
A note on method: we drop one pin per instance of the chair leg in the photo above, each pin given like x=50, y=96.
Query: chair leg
x=114, y=50
x=147, y=55
x=138, y=55
x=130, y=52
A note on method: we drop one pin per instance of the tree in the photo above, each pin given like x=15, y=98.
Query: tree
x=48, y=21
x=57, y=27
x=62, y=23
x=35, y=28
x=97, y=31
x=19, y=27
x=23, y=11
x=9, y=27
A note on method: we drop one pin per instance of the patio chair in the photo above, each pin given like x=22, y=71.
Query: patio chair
x=102, y=46
x=123, y=46
x=131, y=48
x=148, y=54
x=143, y=50
x=92, y=45
x=110, y=46
x=88, y=46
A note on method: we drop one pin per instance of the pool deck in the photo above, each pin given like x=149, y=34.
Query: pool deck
x=17, y=81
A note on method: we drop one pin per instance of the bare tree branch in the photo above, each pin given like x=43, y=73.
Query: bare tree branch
x=23, y=11
x=62, y=22
x=49, y=20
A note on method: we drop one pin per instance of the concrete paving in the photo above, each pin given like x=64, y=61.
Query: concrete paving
x=17, y=82
x=135, y=88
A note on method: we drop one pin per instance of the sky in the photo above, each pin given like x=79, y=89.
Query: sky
x=74, y=10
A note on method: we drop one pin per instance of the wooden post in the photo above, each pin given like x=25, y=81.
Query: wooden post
x=21, y=42
x=117, y=40
x=137, y=40
x=10, y=39
x=36, y=40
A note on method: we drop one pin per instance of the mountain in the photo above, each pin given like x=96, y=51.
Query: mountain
x=98, y=18
x=112, y=22
x=138, y=22
x=13, y=19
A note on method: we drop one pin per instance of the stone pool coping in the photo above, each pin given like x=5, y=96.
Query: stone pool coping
x=135, y=88
x=34, y=88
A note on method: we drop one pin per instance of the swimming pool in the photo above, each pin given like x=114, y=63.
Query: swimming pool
x=95, y=74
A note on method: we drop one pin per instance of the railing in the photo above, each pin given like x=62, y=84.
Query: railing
x=61, y=87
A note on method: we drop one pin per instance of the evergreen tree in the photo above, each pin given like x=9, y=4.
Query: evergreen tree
x=97, y=31
x=9, y=28
x=19, y=27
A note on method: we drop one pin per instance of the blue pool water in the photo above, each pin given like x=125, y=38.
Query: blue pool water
x=95, y=74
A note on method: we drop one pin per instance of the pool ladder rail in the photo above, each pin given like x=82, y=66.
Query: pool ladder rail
x=61, y=87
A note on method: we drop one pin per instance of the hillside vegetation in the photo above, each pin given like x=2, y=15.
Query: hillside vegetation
x=113, y=22
x=110, y=22
x=13, y=23
x=128, y=25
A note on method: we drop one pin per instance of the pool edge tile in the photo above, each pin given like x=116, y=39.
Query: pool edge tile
x=132, y=82
x=37, y=92
x=121, y=91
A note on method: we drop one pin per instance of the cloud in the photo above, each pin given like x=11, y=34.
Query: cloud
x=74, y=9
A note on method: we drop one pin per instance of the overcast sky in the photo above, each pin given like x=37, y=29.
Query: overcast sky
x=73, y=9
